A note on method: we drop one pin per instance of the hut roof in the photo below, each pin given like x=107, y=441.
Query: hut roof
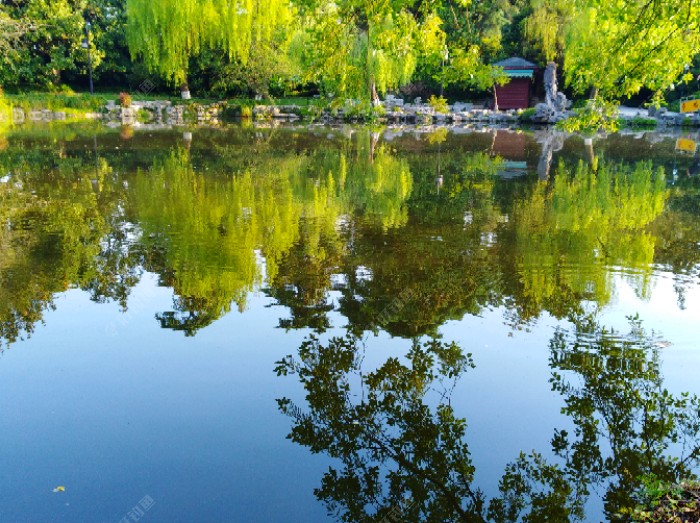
x=515, y=62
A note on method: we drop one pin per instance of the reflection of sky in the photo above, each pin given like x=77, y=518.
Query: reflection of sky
x=191, y=422
x=115, y=408
x=661, y=313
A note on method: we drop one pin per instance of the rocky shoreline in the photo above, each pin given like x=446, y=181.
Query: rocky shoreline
x=390, y=111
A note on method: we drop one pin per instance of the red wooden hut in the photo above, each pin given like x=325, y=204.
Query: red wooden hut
x=516, y=93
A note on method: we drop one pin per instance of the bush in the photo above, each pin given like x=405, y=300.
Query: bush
x=5, y=111
x=662, y=502
x=527, y=114
x=237, y=109
x=641, y=122
x=125, y=99
x=356, y=110
x=143, y=116
x=596, y=115
x=439, y=104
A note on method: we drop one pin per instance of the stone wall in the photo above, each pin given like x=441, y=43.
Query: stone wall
x=393, y=110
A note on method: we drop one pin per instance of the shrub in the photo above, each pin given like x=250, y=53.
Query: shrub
x=125, y=99
x=661, y=502
x=439, y=104
x=640, y=121
x=596, y=115
x=527, y=114
x=144, y=116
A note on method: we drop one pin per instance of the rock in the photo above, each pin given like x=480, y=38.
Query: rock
x=561, y=103
x=128, y=116
x=17, y=115
x=459, y=107
x=550, y=83
x=544, y=113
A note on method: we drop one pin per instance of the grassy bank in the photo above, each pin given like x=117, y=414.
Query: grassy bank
x=669, y=503
x=77, y=106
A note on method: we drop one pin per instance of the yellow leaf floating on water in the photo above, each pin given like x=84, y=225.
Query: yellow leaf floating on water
x=60, y=488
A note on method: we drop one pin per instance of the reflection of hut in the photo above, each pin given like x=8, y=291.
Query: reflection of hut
x=519, y=152
x=516, y=93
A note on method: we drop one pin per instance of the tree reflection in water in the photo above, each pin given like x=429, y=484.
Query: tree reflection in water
x=614, y=393
x=403, y=450
x=397, y=451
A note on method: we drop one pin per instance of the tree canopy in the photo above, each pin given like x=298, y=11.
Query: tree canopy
x=357, y=49
x=166, y=34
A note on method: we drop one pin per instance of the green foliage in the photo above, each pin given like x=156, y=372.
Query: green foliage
x=267, y=71
x=395, y=450
x=476, y=34
x=46, y=37
x=544, y=29
x=664, y=502
x=594, y=116
x=527, y=114
x=640, y=122
x=5, y=112
x=374, y=48
x=439, y=104
x=156, y=28
x=618, y=47
x=143, y=116
x=466, y=69
x=350, y=48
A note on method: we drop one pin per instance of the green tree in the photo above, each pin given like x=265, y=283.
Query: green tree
x=166, y=34
x=544, y=29
x=359, y=48
x=616, y=48
x=475, y=34
x=46, y=38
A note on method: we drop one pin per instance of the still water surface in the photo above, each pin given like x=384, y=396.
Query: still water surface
x=316, y=324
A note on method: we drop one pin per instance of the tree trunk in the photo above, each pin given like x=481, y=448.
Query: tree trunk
x=373, y=141
x=593, y=93
x=590, y=153
x=374, y=97
x=185, y=91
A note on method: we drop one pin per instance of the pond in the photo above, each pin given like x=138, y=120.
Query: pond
x=336, y=324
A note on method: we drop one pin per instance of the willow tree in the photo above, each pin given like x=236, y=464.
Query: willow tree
x=616, y=48
x=167, y=33
x=569, y=232
x=357, y=48
x=544, y=29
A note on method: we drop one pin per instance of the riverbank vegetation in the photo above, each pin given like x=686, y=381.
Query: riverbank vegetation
x=357, y=49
